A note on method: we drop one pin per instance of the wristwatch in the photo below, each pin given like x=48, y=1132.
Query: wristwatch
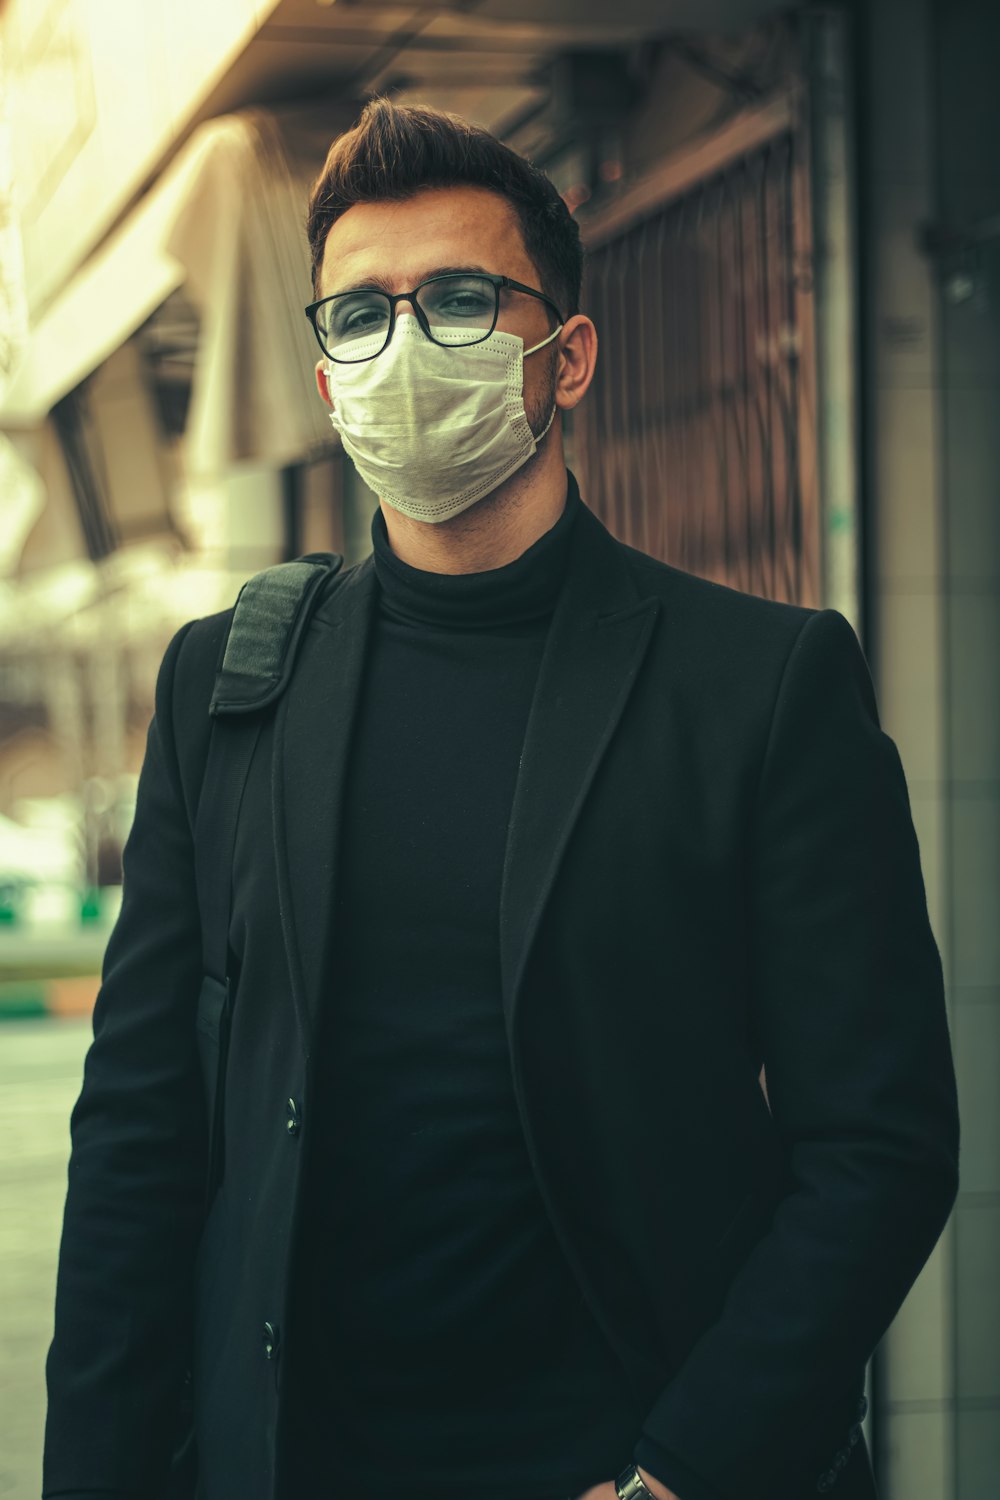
x=629, y=1485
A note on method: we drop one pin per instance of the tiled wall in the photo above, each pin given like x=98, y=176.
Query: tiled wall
x=933, y=347
x=967, y=39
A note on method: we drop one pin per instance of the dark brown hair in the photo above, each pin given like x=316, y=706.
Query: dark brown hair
x=394, y=150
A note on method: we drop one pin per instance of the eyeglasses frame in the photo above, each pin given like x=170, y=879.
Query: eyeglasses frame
x=393, y=298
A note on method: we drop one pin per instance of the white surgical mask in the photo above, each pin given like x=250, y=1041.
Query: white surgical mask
x=432, y=430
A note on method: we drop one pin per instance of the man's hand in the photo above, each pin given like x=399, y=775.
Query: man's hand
x=608, y=1491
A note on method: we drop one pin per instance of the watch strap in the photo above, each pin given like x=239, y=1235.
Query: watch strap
x=629, y=1485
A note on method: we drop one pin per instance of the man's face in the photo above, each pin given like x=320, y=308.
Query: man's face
x=399, y=245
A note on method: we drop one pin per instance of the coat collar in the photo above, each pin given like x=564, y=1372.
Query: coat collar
x=597, y=639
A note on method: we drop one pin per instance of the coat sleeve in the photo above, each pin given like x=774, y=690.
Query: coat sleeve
x=134, y=1205
x=849, y=1007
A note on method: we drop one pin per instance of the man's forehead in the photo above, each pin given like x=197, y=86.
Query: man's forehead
x=414, y=237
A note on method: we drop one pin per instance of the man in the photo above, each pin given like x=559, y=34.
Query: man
x=546, y=851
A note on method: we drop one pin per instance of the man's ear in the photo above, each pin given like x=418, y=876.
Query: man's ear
x=578, y=356
x=321, y=384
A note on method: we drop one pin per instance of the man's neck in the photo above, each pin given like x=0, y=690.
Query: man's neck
x=492, y=532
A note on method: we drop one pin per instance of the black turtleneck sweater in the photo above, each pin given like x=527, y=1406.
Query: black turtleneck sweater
x=440, y=1348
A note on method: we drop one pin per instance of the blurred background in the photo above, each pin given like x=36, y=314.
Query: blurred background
x=793, y=225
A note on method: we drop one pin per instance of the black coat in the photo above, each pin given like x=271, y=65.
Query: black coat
x=711, y=866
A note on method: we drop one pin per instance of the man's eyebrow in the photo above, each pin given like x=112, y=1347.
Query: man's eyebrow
x=383, y=284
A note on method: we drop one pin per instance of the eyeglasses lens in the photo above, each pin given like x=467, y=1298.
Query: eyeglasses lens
x=460, y=309
x=353, y=319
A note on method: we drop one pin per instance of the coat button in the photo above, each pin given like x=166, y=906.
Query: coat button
x=841, y=1457
x=294, y=1121
x=862, y=1408
x=270, y=1337
x=826, y=1481
x=854, y=1433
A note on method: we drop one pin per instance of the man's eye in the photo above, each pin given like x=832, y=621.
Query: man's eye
x=357, y=317
x=366, y=317
x=465, y=299
x=463, y=304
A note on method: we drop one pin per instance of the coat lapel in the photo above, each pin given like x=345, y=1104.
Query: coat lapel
x=595, y=646
x=597, y=639
x=312, y=740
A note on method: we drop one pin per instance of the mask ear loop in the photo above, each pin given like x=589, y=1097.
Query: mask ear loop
x=555, y=407
x=554, y=334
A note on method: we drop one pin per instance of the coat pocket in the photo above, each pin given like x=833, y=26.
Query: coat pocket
x=212, y=1022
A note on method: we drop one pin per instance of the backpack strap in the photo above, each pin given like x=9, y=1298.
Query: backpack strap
x=254, y=668
x=272, y=611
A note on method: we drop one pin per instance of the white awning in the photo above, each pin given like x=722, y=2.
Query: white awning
x=112, y=294
x=226, y=220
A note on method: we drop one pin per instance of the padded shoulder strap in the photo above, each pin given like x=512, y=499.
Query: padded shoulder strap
x=272, y=611
x=271, y=614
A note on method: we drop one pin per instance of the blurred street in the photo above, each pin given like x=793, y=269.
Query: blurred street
x=41, y=1068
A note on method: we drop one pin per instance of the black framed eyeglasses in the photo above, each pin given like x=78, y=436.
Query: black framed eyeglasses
x=453, y=308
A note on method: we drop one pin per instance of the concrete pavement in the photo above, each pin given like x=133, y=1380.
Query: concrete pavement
x=41, y=1071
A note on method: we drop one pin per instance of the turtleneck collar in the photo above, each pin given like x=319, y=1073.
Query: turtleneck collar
x=522, y=590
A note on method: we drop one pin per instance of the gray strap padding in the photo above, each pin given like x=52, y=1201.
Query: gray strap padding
x=272, y=610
